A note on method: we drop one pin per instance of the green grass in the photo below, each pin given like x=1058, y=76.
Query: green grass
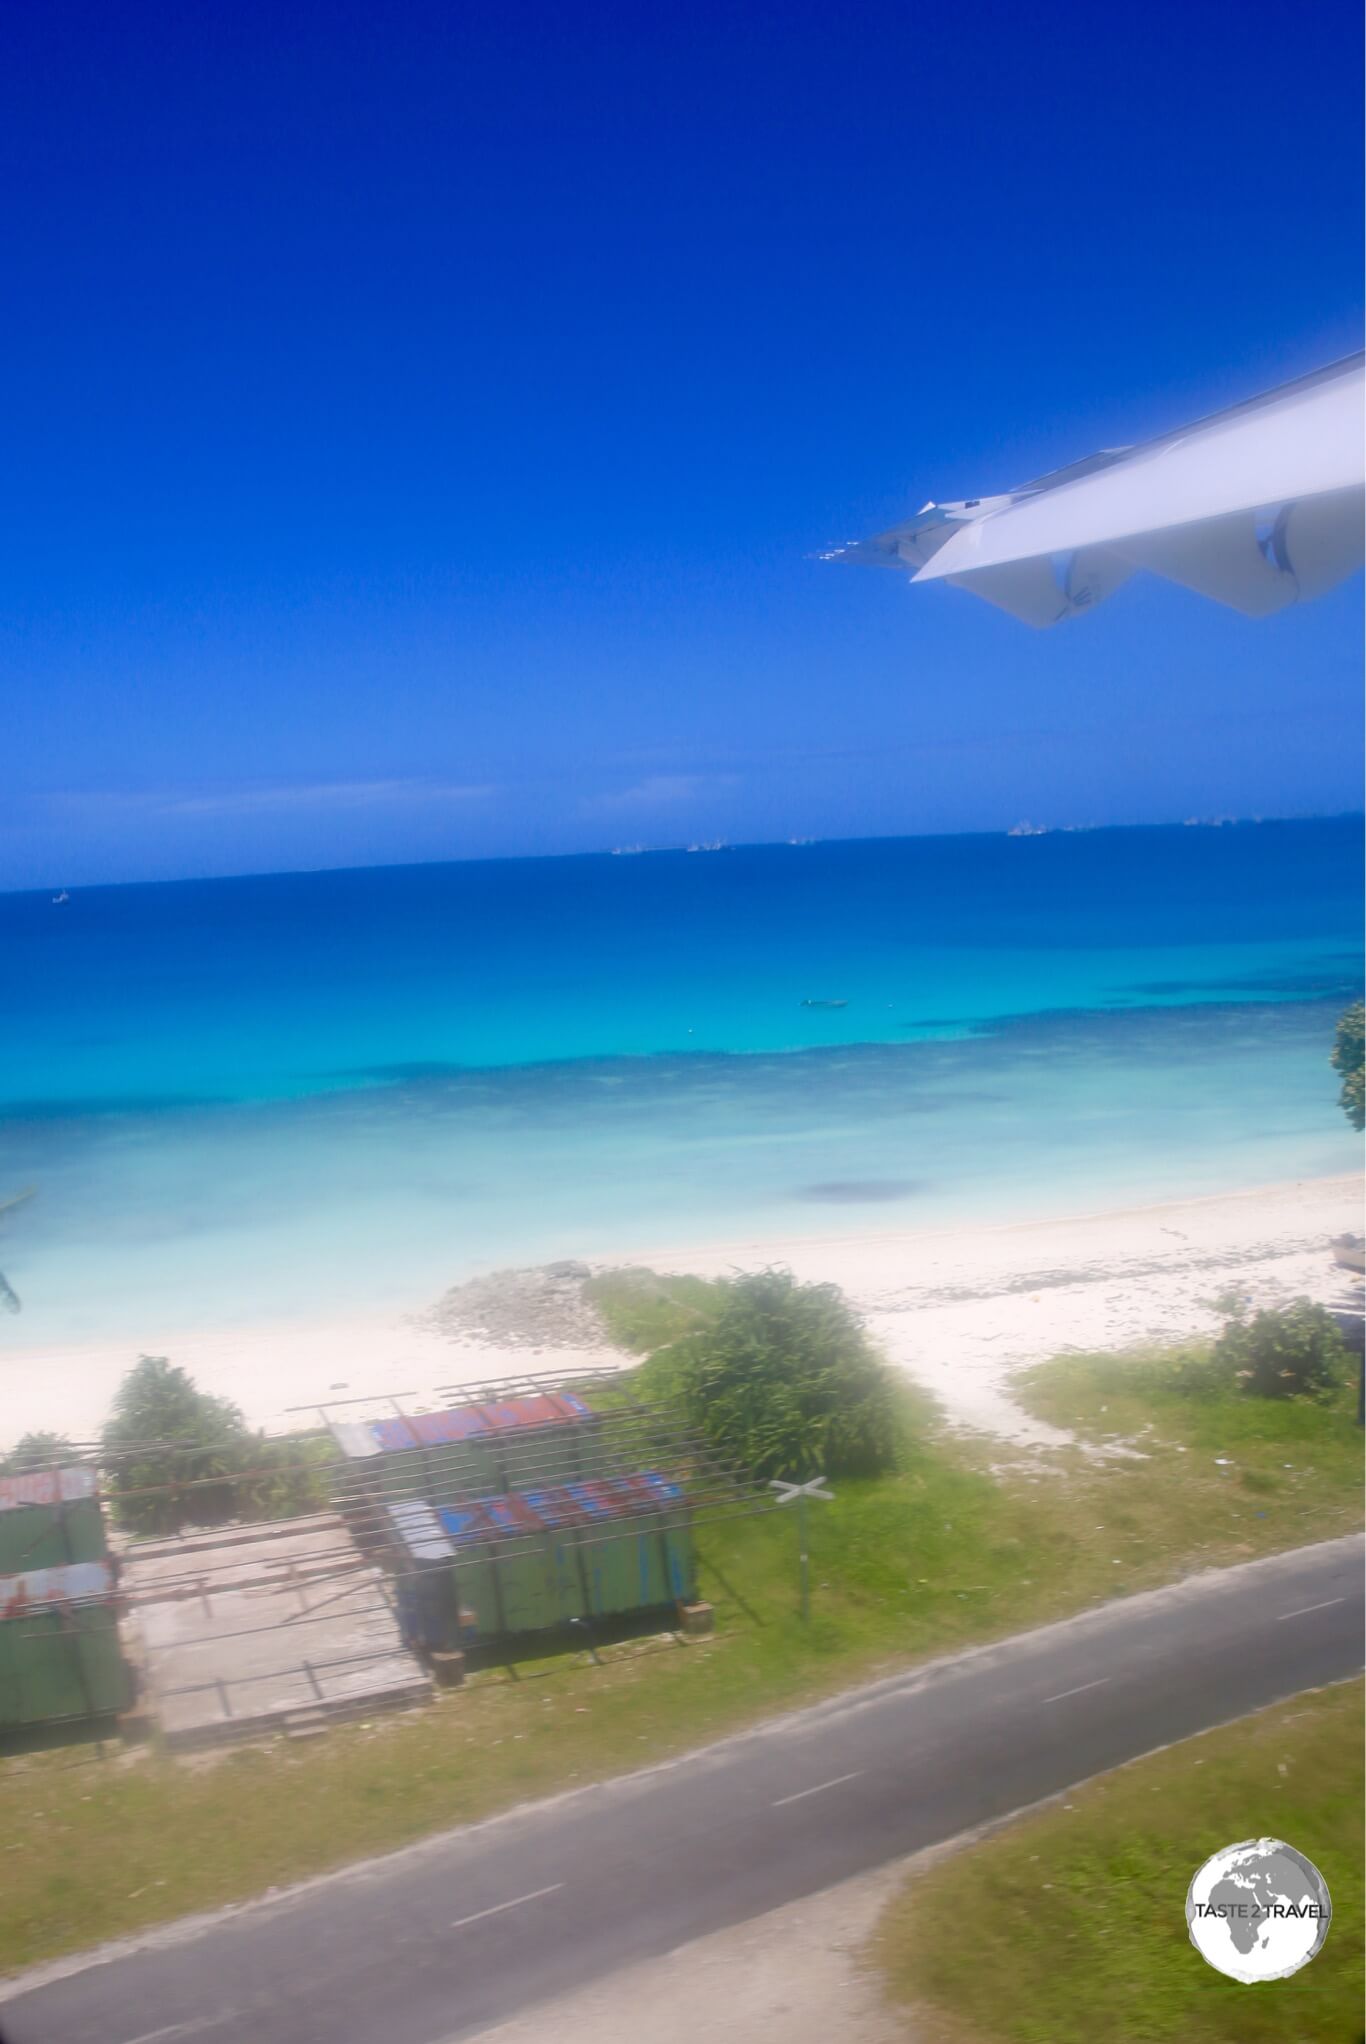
x=643, y=1311
x=1070, y=1926
x=1225, y=1474
x=943, y=1552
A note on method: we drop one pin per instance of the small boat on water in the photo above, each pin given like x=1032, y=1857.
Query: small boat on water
x=825, y=1004
x=1349, y=1252
x=58, y=899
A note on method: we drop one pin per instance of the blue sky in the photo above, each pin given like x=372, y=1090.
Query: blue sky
x=420, y=419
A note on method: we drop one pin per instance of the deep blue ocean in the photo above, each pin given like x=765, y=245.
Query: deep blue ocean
x=276, y=1095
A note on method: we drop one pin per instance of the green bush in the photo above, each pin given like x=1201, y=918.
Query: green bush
x=784, y=1381
x=288, y=1476
x=171, y=1451
x=1349, y=1054
x=1196, y=1373
x=1294, y=1351
x=37, y=1451
x=178, y=1457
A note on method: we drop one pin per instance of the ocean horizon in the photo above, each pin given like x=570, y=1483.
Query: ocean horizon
x=317, y=1092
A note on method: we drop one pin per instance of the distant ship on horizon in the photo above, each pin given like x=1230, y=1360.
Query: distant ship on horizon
x=1028, y=829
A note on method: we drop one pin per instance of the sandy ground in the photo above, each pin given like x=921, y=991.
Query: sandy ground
x=278, y=1372
x=960, y=1310
x=795, y=1976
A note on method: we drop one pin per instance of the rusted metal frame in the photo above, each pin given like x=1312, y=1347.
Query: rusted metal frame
x=73, y=1635
x=606, y=1439
x=687, y=1514
x=273, y=1675
x=310, y=1611
x=608, y=1450
x=498, y=1604
x=585, y=1591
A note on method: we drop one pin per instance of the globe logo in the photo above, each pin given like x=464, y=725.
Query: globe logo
x=1258, y=1911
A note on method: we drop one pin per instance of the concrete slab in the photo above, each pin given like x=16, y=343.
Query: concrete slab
x=244, y=1630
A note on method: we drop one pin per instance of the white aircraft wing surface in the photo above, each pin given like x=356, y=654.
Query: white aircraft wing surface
x=1258, y=507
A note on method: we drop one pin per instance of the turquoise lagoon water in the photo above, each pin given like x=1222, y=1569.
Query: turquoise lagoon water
x=302, y=1093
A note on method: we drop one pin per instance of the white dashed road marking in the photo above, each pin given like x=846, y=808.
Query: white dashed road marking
x=190, y=2029
x=1080, y=1689
x=819, y=1789
x=499, y=1907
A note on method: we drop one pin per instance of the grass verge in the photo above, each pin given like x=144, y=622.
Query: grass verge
x=643, y=1311
x=1070, y=1925
x=953, y=1547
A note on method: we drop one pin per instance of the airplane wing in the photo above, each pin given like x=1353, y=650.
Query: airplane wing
x=1258, y=507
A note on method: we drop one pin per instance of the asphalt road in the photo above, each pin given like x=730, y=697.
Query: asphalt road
x=443, y=1940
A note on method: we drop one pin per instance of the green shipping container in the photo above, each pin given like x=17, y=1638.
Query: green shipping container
x=535, y=1561
x=49, y=1519
x=538, y=1560
x=632, y=1545
x=59, y=1647
x=442, y=1458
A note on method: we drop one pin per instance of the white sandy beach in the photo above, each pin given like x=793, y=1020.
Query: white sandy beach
x=961, y=1310
x=958, y=1309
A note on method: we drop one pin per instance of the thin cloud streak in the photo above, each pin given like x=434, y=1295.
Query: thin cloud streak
x=663, y=791
x=301, y=798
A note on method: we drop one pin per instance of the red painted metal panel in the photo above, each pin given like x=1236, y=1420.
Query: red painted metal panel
x=80, y=1582
x=435, y=1429
x=555, y=1508
x=512, y=1514
x=471, y=1422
